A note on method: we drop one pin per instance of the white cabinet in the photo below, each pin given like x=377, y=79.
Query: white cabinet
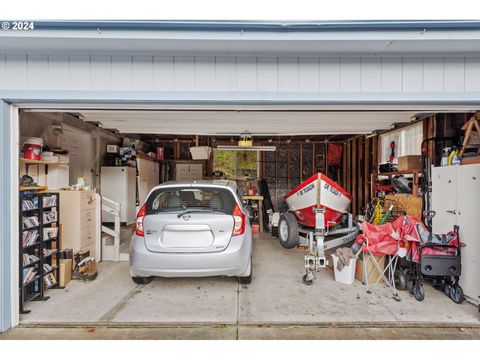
x=78, y=220
x=188, y=171
x=444, y=198
x=148, y=177
x=118, y=183
x=456, y=201
x=58, y=176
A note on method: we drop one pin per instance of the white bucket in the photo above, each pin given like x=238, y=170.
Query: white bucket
x=347, y=274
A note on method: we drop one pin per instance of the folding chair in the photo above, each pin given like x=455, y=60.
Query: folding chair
x=390, y=255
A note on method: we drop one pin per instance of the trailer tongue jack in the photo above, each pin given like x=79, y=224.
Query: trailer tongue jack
x=321, y=239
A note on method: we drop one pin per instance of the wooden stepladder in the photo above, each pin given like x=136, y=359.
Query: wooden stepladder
x=468, y=127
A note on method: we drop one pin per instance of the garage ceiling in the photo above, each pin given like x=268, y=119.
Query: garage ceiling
x=275, y=123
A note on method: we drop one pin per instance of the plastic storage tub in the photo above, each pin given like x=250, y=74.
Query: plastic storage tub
x=347, y=274
x=32, y=148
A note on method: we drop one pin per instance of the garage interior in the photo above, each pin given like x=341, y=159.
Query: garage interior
x=88, y=147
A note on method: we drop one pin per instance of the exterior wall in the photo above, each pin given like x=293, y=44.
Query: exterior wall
x=126, y=78
x=6, y=197
x=239, y=74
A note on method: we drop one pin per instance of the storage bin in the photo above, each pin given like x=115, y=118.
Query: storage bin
x=32, y=148
x=347, y=274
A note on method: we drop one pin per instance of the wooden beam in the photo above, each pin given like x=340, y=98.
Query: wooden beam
x=431, y=133
x=366, y=174
x=288, y=166
x=360, y=157
x=314, y=148
x=354, y=176
x=344, y=166
x=300, y=160
x=276, y=180
x=349, y=167
x=375, y=141
x=374, y=166
x=468, y=128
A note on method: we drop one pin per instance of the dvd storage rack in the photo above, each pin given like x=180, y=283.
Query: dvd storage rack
x=39, y=244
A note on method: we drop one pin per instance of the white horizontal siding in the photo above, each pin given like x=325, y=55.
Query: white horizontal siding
x=239, y=74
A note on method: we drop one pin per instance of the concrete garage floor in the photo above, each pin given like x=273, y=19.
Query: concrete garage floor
x=276, y=305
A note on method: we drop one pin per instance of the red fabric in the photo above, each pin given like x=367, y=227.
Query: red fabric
x=438, y=250
x=378, y=239
x=386, y=239
x=407, y=230
x=334, y=154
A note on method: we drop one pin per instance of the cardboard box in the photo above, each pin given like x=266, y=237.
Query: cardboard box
x=112, y=149
x=374, y=274
x=409, y=162
x=411, y=204
x=65, y=272
x=200, y=152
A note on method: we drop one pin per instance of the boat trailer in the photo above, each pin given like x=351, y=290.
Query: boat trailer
x=316, y=240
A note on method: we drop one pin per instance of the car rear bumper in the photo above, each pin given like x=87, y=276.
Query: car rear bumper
x=233, y=261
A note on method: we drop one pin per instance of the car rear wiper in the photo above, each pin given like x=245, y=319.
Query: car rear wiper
x=199, y=210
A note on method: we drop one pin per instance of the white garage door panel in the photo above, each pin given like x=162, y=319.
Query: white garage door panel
x=256, y=122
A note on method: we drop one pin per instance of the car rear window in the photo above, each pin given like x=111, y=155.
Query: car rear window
x=183, y=198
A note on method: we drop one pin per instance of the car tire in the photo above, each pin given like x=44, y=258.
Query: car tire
x=142, y=280
x=288, y=231
x=245, y=280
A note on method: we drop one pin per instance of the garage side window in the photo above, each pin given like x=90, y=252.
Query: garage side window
x=408, y=141
x=236, y=164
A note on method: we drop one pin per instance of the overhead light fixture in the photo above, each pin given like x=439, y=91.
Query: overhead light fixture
x=246, y=148
x=307, y=140
x=245, y=139
x=289, y=141
x=232, y=140
x=270, y=140
x=246, y=144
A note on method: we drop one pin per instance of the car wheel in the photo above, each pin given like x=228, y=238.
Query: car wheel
x=141, y=280
x=288, y=231
x=245, y=280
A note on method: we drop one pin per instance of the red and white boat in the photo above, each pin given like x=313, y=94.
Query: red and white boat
x=319, y=191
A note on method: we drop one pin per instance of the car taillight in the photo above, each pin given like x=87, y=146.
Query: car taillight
x=139, y=222
x=238, y=220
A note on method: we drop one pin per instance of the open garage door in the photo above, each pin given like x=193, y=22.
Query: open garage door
x=262, y=123
x=302, y=136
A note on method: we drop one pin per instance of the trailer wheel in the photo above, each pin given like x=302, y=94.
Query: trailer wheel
x=288, y=231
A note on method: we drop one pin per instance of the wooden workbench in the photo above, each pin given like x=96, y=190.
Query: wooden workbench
x=259, y=200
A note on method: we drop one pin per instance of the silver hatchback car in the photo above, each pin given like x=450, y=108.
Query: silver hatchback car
x=192, y=229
